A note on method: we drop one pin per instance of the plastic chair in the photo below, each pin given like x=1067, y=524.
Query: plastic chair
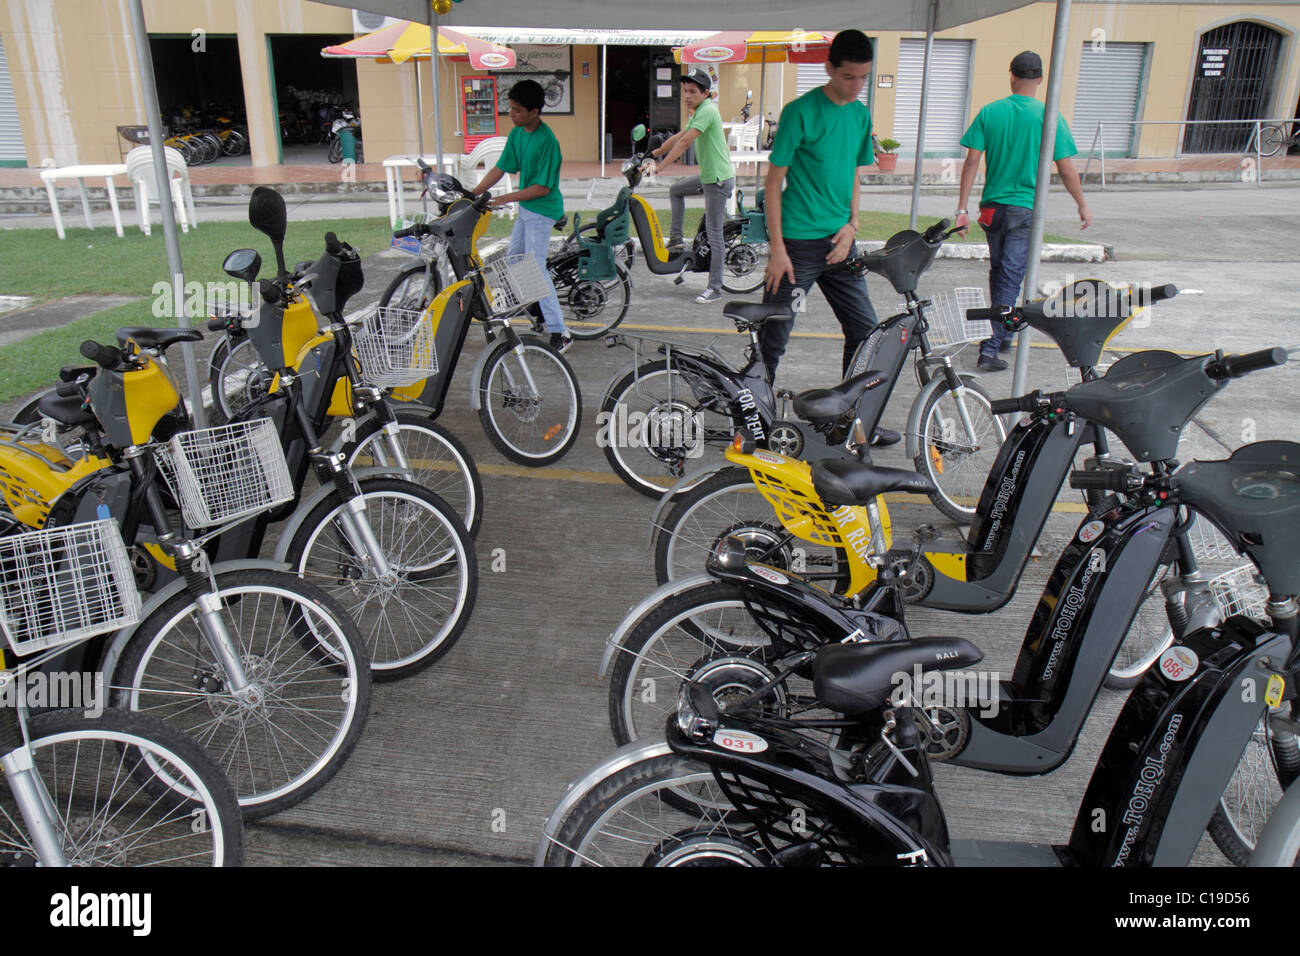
x=745, y=136
x=486, y=154
x=139, y=169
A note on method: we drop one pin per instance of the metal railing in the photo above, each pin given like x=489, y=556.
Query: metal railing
x=1094, y=153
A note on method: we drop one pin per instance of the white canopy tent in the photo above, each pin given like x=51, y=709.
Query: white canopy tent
x=685, y=15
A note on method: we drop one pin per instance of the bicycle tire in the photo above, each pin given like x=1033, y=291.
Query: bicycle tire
x=439, y=461
x=530, y=427
x=745, y=263
x=1271, y=139
x=236, y=379
x=939, y=450
x=1268, y=766
x=588, y=300
x=304, y=659
x=195, y=812
x=432, y=554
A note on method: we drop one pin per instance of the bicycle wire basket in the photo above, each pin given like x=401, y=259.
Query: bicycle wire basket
x=514, y=282
x=396, y=347
x=1239, y=591
x=225, y=473
x=64, y=585
x=604, y=192
x=946, y=316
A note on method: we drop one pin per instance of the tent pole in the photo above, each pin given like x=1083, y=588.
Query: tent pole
x=1044, y=182
x=920, y=121
x=604, y=65
x=419, y=123
x=437, y=86
x=153, y=114
x=762, y=88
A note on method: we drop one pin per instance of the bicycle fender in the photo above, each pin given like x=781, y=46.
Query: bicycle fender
x=1277, y=844
x=625, y=756
x=684, y=483
x=113, y=653
x=914, y=422
x=299, y=516
x=634, y=614
x=476, y=376
x=617, y=377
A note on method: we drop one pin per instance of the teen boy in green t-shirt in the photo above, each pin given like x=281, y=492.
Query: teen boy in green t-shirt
x=1008, y=133
x=822, y=139
x=533, y=152
x=716, y=179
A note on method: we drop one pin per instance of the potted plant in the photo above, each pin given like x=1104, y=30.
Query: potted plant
x=887, y=157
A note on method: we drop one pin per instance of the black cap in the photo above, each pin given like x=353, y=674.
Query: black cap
x=1027, y=65
x=699, y=77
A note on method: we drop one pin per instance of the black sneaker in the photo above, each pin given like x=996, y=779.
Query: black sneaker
x=885, y=436
x=990, y=363
x=709, y=295
x=562, y=342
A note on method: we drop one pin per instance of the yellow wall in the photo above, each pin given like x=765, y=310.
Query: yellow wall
x=73, y=68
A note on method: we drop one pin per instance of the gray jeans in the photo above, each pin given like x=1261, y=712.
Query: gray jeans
x=715, y=212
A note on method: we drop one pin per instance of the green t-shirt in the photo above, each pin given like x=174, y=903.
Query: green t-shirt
x=536, y=158
x=1010, y=132
x=711, y=145
x=823, y=145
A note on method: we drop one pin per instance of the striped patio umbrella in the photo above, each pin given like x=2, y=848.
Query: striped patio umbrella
x=402, y=41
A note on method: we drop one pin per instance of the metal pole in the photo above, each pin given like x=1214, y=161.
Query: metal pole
x=762, y=88
x=419, y=126
x=437, y=86
x=1101, y=133
x=1044, y=181
x=920, y=124
x=144, y=62
x=1259, y=160
x=604, y=57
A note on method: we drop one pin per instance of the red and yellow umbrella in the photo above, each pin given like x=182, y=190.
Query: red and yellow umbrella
x=759, y=46
x=402, y=41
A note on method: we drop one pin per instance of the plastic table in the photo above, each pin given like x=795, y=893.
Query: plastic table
x=81, y=174
x=393, y=167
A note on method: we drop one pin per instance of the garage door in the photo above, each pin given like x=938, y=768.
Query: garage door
x=813, y=75
x=1109, y=91
x=12, y=152
x=947, y=106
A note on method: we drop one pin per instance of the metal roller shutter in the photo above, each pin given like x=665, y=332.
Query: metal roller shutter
x=11, y=132
x=1110, y=88
x=813, y=75
x=946, y=109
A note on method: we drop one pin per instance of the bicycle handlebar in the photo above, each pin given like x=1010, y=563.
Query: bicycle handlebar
x=105, y=356
x=1235, y=366
x=1019, y=403
x=1106, y=479
x=68, y=390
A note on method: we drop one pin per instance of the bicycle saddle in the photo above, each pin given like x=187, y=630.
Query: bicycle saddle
x=839, y=481
x=148, y=338
x=751, y=315
x=1254, y=496
x=818, y=404
x=66, y=410
x=856, y=678
x=1084, y=315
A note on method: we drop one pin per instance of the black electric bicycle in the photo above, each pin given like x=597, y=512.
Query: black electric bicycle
x=737, y=631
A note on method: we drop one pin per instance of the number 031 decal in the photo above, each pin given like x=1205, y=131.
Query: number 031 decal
x=741, y=741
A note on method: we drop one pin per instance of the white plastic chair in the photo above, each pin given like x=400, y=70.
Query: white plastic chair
x=745, y=136
x=139, y=169
x=485, y=154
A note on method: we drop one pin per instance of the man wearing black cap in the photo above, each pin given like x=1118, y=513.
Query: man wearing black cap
x=1008, y=134
x=716, y=178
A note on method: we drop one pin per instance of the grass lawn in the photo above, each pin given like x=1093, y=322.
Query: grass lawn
x=37, y=263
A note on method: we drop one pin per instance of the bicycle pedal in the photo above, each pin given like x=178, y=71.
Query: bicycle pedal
x=678, y=280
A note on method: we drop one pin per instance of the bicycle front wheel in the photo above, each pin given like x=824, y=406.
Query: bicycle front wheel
x=291, y=729
x=412, y=288
x=1270, y=764
x=1271, y=139
x=955, y=458
x=413, y=615
x=437, y=459
x=530, y=403
x=127, y=790
x=236, y=378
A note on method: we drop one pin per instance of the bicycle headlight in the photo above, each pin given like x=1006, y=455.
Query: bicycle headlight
x=697, y=713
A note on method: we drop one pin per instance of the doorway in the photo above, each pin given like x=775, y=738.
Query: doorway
x=310, y=93
x=201, y=96
x=1235, y=71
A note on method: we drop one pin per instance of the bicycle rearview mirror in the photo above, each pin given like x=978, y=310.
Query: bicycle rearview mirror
x=243, y=264
x=266, y=213
x=638, y=132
